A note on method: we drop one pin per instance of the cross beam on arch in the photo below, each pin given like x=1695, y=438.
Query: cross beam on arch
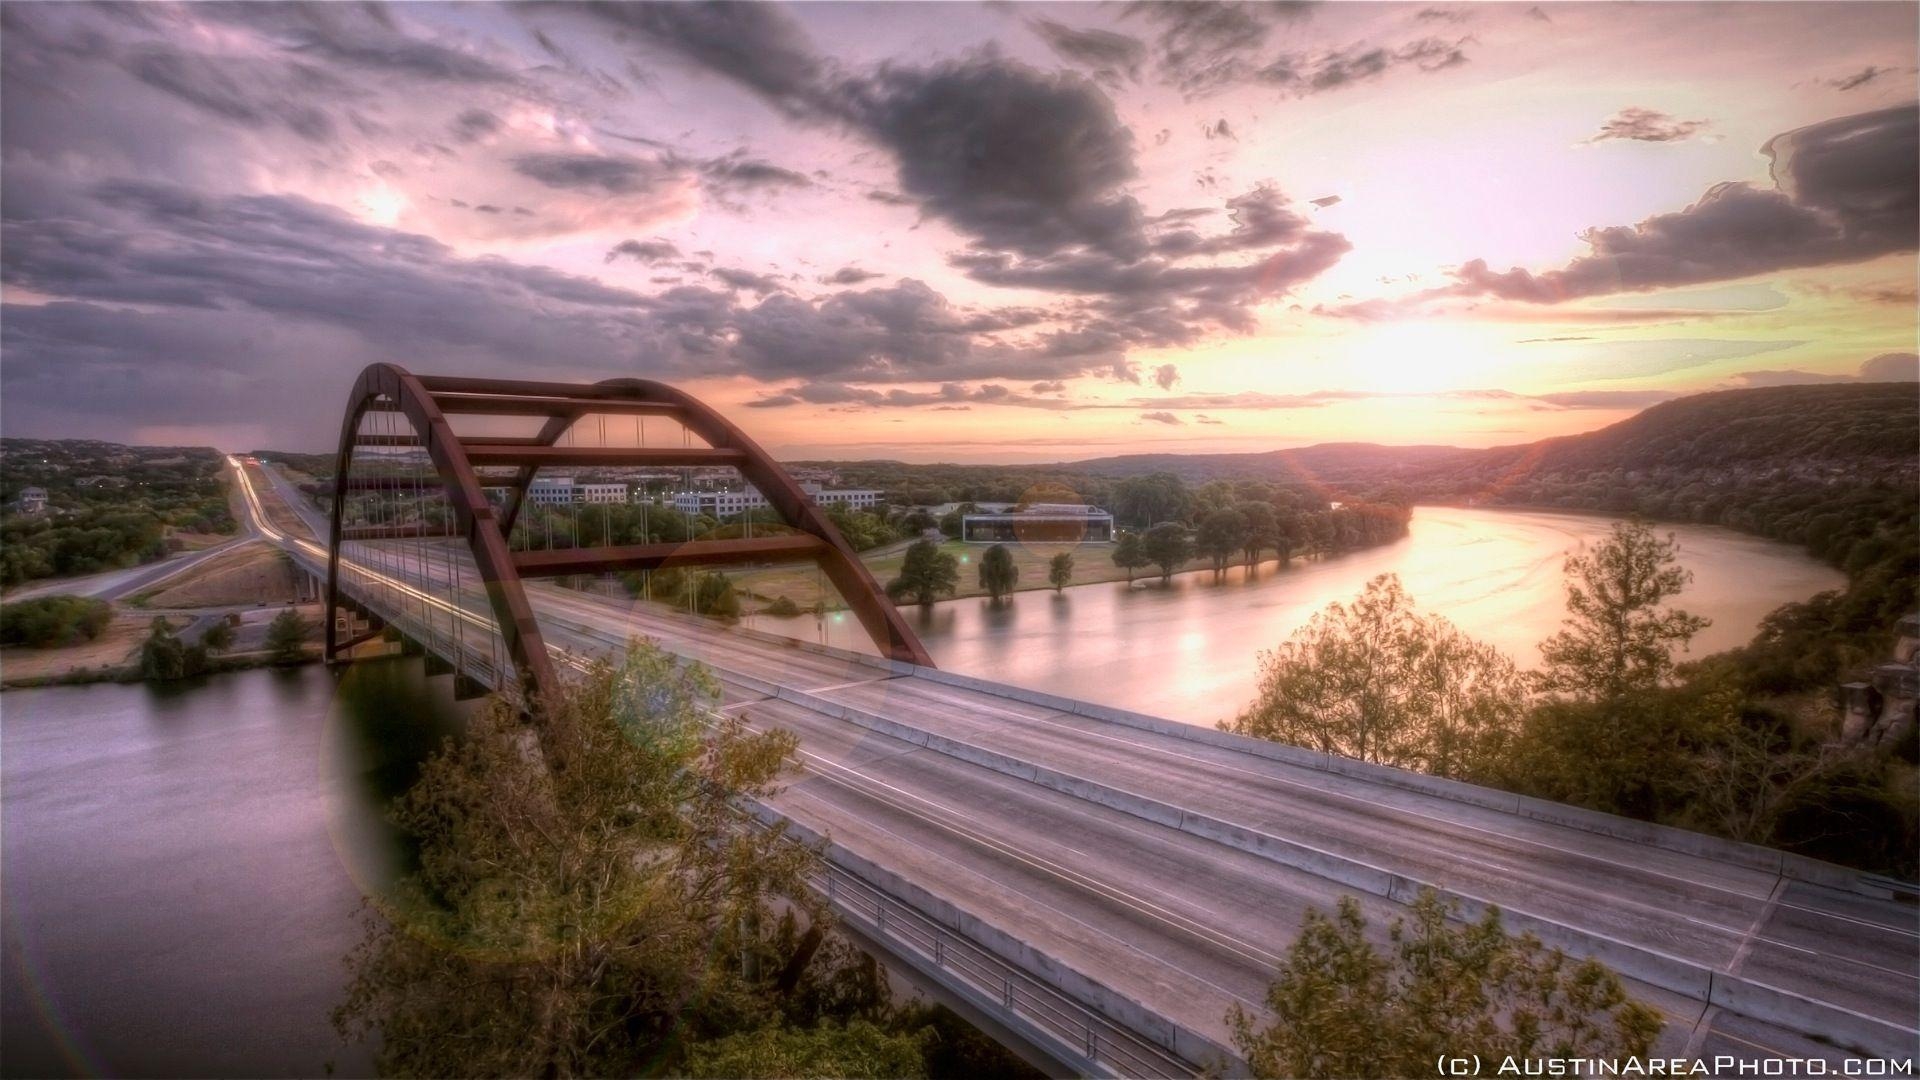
x=427, y=401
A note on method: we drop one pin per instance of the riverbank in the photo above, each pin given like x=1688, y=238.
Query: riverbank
x=130, y=673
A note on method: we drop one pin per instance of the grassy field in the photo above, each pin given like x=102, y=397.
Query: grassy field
x=804, y=585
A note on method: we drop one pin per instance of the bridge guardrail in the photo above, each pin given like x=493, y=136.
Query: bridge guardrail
x=1078, y=1032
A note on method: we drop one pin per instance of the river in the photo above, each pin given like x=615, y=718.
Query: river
x=1189, y=650
x=183, y=865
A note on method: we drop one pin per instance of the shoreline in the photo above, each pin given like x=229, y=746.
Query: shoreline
x=128, y=674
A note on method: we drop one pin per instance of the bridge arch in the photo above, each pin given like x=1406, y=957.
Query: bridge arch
x=426, y=402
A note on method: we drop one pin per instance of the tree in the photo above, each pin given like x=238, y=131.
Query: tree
x=1378, y=682
x=162, y=656
x=48, y=622
x=1340, y=1008
x=998, y=572
x=713, y=594
x=1129, y=554
x=218, y=638
x=1060, y=571
x=586, y=898
x=1616, y=637
x=287, y=637
x=1166, y=545
x=927, y=573
x=860, y=1049
x=1263, y=529
x=1145, y=500
x=1220, y=535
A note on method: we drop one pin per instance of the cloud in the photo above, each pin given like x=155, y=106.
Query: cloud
x=1647, y=125
x=474, y=124
x=758, y=46
x=1110, y=57
x=737, y=172
x=748, y=280
x=644, y=251
x=850, y=275
x=1162, y=417
x=1858, y=79
x=605, y=174
x=1206, y=47
x=1165, y=376
x=1325, y=201
x=1304, y=74
x=1844, y=191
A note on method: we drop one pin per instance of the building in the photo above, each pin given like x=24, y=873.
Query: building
x=725, y=504
x=1070, y=523
x=33, y=500
x=551, y=491
x=600, y=493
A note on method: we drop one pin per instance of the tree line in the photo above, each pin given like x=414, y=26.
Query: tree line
x=1610, y=721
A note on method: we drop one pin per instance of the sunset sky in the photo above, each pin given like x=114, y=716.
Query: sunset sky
x=967, y=232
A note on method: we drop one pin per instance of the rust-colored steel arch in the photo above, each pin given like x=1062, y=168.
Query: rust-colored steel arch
x=426, y=401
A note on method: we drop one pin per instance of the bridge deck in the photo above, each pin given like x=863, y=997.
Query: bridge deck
x=937, y=782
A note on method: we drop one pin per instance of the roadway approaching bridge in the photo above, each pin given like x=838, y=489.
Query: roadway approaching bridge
x=1095, y=887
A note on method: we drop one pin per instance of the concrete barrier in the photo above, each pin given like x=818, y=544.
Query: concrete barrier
x=1122, y=1011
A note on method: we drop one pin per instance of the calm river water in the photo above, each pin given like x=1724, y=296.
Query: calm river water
x=183, y=866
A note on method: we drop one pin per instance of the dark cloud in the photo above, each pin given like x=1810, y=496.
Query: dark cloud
x=1303, y=74
x=1109, y=57
x=1053, y=387
x=1207, y=46
x=1858, y=79
x=850, y=275
x=1021, y=160
x=365, y=37
x=737, y=172
x=759, y=46
x=1844, y=191
x=1647, y=125
x=1325, y=201
x=474, y=124
x=889, y=198
x=748, y=280
x=596, y=173
x=1161, y=416
x=1219, y=130
x=645, y=251
x=1165, y=376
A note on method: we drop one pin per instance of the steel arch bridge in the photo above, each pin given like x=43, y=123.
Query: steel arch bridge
x=392, y=411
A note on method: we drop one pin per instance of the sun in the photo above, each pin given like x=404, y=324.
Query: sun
x=1422, y=356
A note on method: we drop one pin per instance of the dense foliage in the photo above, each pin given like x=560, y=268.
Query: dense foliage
x=287, y=637
x=48, y=622
x=108, y=505
x=1343, y=1008
x=999, y=574
x=589, y=900
x=1377, y=681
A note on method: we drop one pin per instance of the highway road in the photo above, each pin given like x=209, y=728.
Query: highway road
x=1189, y=924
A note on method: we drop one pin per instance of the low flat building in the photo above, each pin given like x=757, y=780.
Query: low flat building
x=33, y=500
x=600, y=493
x=551, y=491
x=727, y=503
x=1070, y=523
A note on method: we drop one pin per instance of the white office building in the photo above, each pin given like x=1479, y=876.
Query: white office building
x=551, y=491
x=600, y=493
x=724, y=504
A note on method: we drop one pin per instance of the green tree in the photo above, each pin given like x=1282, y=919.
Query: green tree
x=218, y=638
x=1129, y=553
x=1339, y=1007
x=162, y=656
x=48, y=622
x=587, y=900
x=927, y=574
x=860, y=1049
x=1221, y=534
x=1060, y=570
x=713, y=594
x=1263, y=529
x=1167, y=545
x=998, y=572
x=1374, y=680
x=1617, y=637
x=1146, y=500
x=287, y=637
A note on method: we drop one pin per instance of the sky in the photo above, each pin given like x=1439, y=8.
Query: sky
x=989, y=232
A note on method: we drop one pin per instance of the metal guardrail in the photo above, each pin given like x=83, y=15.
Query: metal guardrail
x=1065, y=1020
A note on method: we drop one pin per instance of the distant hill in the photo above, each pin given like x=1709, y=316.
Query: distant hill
x=1825, y=433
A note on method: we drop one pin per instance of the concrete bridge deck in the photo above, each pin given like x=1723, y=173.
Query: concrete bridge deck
x=1172, y=865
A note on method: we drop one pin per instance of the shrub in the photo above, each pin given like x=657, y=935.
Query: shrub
x=51, y=621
